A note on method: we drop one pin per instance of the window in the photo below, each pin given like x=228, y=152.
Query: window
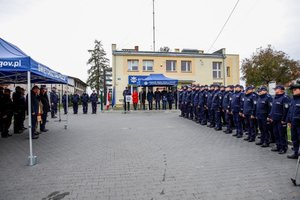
x=133, y=65
x=186, y=66
x=171, y=65
x=228, y=71
x=217, y=69
x=147, y=65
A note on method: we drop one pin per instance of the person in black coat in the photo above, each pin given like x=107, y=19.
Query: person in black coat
x=1, y=107
x=142, y=98
x=18, y=106
x=6, y=113
x=34, y=110
x=170, y=99
x=157, y=97
x=46, y=108
x=150, y=96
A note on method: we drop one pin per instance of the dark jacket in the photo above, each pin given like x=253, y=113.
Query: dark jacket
x=45, y=101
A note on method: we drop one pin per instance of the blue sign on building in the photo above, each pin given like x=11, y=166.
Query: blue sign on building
x=135, y=80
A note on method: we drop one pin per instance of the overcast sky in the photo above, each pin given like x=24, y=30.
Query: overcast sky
x=58, y=33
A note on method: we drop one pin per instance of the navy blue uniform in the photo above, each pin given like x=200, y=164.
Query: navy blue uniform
x=196, y=105
x=216, y=107
x=235, y=108
x=203, y=108
x=54, y=101
x=150, y=96
x=175, y=95
x=211, y=114
x=170, y=99
x=85, y=100
x=225, y=106
x=75, y=102
x=278, y=114
x=249, y=106
x=157, y=97
x=94, y=100
x=46, y=108
x=294, y=119
x=188, y=103
x=263, y=108
x=64, y=102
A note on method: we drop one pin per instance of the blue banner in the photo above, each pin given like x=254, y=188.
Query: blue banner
x=135, y=80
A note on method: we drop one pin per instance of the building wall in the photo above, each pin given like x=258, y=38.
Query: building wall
x=201, y=70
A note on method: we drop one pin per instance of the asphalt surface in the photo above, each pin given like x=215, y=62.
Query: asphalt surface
x=141, y=156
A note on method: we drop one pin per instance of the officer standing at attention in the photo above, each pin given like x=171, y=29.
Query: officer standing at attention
x=94, y=100
x=293, y=119
x=85, y=100
x=203, y=106
x=54, y=101
x=217, y=107
x=188, y=102
x=196, y=104
x=46, y=108
x=263, y=108
x=248, y=113
x=157, y=97
x=175, y=95
x=75, y=101
x=226, y=106
x=164, y=98
x=180, y=100
x=235, y=109
x=6, y=113
x=150, y=98
x=170, y=98
x=64, y=102
x=277, y=117
x=34, y=110
x=211, y=116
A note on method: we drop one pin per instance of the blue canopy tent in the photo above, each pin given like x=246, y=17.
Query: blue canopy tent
x=17, y=67
x=158, y=80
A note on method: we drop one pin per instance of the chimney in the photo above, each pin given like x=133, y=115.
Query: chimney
x=136, y=48
x=113, y=47
x=177, y=50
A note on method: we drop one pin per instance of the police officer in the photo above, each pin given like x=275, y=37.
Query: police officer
x=64, y=102
x=157, y=97
x=293, y=119
x=54, y=101
x=188, y=102
x=181, y=101
x=249, y=106
x=217, y=107
x=263, y=108
x=226, y=106
x=222, y=90
x=85, y=100
x=235, y=109
x=196, y=104
x=1, y=107
x=175, y=95
x=46, y=108
x=94, y=100
x=202, y=104
x=278, y=114
x=211, y=115
x=6, y=113
x=150, y=96
x=75, y=101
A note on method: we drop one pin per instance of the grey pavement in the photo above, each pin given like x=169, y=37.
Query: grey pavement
x=141, y=156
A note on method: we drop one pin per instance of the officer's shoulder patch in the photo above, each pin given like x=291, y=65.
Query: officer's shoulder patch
x=286, y=105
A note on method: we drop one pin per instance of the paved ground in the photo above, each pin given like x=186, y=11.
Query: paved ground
x=141, y=156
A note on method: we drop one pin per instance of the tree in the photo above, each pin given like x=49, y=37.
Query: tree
x=98, y=63
x=266, y=65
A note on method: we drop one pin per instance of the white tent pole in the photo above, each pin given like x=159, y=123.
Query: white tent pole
x=67, y=105
x=31, y=158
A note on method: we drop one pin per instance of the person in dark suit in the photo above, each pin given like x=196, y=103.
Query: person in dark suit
x=17, y=105
x=157, y=97
x=6, y=113
x=54, y=101
x=34, y=110
x=46, y=108
x=75, y=101
x=150, y=96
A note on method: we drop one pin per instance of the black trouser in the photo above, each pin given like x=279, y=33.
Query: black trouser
x=44, y=121
x=85, y=107
x=33, y=123
x=65, y=108
x=75, y=108
x=176, y=104
x=53, y=109
x=135, y=106
x=143, y=105
x=94, y=107
x=17, y=121
x=157, y=104
x=6, y=122
x=170, y=105
x=126, y=106
x=150, y=103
